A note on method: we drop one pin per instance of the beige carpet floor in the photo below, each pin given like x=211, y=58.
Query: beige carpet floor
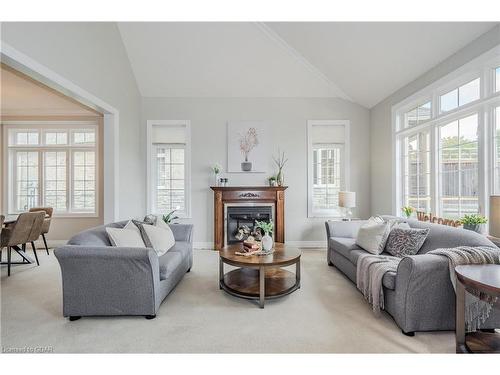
x=327, y=315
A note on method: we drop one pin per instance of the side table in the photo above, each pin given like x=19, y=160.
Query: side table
x=483, y=278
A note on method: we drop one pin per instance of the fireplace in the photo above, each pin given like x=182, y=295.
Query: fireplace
x=268, y=200
x=240, y=220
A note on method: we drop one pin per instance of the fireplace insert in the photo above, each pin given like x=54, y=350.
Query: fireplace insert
x=241, y=222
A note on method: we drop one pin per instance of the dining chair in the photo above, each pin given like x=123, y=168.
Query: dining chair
x=26, y=229
x=46, y=222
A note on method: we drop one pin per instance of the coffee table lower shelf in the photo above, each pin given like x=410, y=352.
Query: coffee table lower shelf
x=245, y=283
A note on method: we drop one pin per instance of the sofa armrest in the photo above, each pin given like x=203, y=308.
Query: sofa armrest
x=108, y=280
x=347, y=229
x=182, y=232
x=424, y=293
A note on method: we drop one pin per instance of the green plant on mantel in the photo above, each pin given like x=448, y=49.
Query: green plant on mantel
x=473, y=219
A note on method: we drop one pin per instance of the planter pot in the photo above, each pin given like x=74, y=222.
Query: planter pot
x=267, y=242
x=246, y=166
x=474, y=227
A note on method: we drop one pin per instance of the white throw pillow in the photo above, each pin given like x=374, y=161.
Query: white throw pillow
x=162, y=239
x=373, y=235
x=160, y=223
x=121, y=237
x=131, y=226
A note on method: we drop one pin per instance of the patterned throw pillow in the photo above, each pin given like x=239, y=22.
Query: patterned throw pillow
x=403, y=241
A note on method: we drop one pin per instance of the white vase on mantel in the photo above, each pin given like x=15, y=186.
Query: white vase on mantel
x=267, y=242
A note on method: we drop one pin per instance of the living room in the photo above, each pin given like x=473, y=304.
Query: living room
x=250, y=187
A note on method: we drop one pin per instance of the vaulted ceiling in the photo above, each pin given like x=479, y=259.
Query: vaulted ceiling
x=362, y=62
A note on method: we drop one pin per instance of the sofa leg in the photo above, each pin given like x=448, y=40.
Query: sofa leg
x=330, y=263
x=73, y=318
x=189, y=270
x=149, y=317
x=410, y=334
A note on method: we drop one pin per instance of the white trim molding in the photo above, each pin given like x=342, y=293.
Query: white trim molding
x=345, y=145
x=187, y=162
x=481, y=68
x=31, y=68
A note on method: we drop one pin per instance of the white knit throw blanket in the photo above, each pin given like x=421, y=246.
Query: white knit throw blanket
x=477, y=305
x=370, y=271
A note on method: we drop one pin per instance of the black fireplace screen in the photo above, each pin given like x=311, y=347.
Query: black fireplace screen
x=241, y=222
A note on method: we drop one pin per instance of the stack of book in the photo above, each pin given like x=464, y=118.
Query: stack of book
x=250, y=246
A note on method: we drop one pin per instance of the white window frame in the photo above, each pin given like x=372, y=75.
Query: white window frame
x=186, y=214
x=311, y=211
x=44, y=127
x=482, y=67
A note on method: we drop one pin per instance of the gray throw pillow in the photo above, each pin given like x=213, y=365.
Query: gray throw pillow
x=403, y=241
x=144, y=235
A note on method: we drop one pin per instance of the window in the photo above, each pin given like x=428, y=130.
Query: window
x=449, y=164
x=327, y=143
x=497, y=79
x=418, y=115
x=168, y=167
x=416, y=171
x=49, y=167
x=459, y=167
x=460, y=96
x=496, y=151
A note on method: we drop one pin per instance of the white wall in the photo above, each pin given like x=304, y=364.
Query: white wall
x=287, y=119
x=92, y=56
x=382, y=189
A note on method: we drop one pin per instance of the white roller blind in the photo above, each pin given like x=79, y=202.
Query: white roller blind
x=168, y=134
x=328, y=134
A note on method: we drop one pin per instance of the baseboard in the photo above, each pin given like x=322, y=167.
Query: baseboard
x=302, y=244
x=203, y=245
x=52, y=244
x=308, y=244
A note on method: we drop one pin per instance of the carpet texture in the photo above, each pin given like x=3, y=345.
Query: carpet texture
x=327, y=315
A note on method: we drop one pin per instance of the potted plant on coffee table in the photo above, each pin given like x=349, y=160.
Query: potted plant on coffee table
x=267, y=227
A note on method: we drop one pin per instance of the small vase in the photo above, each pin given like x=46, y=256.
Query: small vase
x=474, y=227
x=279, y=178
x=267, y=242
x=216, y=179
x=246, y=166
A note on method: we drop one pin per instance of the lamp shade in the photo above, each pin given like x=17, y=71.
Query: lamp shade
x=495, y=215
x=347, y=199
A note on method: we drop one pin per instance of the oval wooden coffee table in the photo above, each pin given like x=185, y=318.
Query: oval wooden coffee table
x=260, y=277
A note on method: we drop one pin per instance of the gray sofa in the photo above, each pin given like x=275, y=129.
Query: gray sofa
x=103, y=280
x=419, y=296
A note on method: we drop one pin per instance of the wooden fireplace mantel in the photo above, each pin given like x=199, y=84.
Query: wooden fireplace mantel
x=244, y=194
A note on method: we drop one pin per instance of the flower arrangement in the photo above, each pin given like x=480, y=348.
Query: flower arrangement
x=248, y=142
x=272, y=181
x=407, y=211
x=266, y=226
x=280, y=162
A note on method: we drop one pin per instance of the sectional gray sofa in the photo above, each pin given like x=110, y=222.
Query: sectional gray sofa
x=103, y=280
x=419, y=296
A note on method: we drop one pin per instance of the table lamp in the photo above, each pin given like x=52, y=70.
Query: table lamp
x=495, y=216
x=347, y=200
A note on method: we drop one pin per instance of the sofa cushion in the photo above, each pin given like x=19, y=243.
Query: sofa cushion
x=344, y=245
x=168, y=263
x=389, y=280
x=443, y=236
x=403, y=242
x=95, y=236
